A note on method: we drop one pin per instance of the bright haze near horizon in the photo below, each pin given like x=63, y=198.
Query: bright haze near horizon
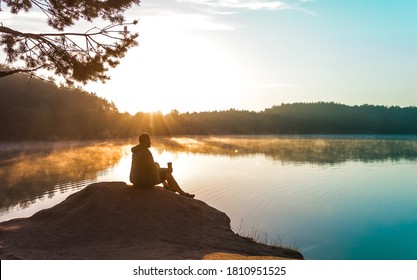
x=205, y=55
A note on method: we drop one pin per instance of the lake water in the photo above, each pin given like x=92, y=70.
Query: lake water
x=329, y=197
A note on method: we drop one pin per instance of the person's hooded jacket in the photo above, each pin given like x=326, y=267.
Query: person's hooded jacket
x=143, y=171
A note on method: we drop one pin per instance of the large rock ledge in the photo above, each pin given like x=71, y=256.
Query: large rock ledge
x=112, y=220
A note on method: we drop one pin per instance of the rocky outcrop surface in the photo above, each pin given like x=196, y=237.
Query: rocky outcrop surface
x=112, y=220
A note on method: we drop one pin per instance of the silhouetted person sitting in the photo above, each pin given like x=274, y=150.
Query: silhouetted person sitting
x=144, y=172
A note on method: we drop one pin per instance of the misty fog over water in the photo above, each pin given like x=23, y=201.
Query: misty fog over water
x=330, y=197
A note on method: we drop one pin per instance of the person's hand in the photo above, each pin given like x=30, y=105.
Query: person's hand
x=170, y=170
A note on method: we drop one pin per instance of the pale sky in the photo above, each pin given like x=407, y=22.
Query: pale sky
x=199, y=55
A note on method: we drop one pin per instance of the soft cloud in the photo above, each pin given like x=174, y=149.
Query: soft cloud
x=214, y=15
x=233, y=6
x=241, y=4
x=34, y=21
x=183, y=22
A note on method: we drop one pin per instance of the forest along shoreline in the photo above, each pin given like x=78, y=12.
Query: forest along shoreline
x=42, y=111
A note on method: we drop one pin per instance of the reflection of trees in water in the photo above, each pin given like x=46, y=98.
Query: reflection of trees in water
x=306, y=150
x=40, y=173
x=27, y=177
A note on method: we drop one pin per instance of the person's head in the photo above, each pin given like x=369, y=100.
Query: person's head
x=145, y=140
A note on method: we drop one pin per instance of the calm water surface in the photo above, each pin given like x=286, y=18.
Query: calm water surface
x=330, y=197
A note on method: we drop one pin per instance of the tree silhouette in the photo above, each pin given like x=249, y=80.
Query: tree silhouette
x=77, y=57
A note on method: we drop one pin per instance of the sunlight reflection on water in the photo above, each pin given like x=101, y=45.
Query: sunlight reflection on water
x=347, y=202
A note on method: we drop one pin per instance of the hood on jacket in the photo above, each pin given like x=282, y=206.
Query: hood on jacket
x=136, y=148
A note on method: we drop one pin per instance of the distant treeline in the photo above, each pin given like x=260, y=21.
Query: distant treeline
x=302, y=118
x=41, y=111
x=38, y=110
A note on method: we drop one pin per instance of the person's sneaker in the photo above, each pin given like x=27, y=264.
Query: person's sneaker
x=188, y=195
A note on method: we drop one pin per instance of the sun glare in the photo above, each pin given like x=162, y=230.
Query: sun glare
x=173, y=69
